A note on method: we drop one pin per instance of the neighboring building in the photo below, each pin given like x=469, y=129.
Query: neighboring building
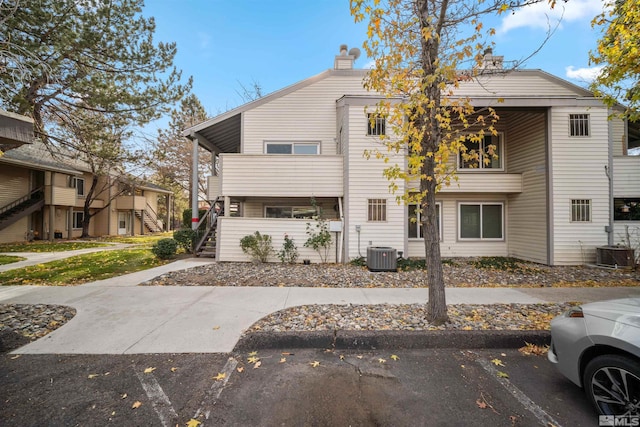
x=15, y=130
x=43, y=197
x=547, y=198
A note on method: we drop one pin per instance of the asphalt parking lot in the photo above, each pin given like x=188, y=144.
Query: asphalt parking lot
x=439, y=387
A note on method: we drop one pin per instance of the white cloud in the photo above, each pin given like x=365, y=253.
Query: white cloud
x=540, y=15
x=583, y=74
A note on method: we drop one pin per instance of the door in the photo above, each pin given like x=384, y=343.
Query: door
x=123, y=223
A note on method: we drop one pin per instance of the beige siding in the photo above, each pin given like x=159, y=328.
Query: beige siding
x=479, y=182
x=15, y=232
x=527, y=211
x=14, y=183
x=519, y=84
x=231, y=230
x=308, y=114
x=618, y=137
x=626, y=176
x=364, y=180
x=578, y=173
x=214, y=188
x=281, y=175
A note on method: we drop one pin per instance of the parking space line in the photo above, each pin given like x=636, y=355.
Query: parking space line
x=215, y=391
x=158, y=398
x=536, y=410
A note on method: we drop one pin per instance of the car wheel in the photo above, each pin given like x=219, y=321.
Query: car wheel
x=612, y=384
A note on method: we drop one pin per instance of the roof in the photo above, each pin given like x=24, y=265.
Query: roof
x=15, y=130
x=37, y=156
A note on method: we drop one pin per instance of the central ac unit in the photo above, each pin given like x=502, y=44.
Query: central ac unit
x=382, y=259
x=615, y=256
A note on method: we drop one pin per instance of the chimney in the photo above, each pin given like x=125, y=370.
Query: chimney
x=345, y=60
x=491, y=62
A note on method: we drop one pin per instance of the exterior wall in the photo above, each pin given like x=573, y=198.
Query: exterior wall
x=618, y=137
x=516, y=84
x=578, y=172
x=527, y=211
x=281, y=175
x=308, y=114
x=254, y=208
x=14, y=184
x=626, y=173
x=231, y=230
x=364, y=180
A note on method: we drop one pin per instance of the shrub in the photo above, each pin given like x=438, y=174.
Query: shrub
x=289, y=251
x=257, y=245
x=186, y=216
x=165, y=248
x=185, y=238
x=319, y=235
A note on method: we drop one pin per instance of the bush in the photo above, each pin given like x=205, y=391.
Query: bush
x=289, y=251
x=165, y=248
x=186, y=216
x=257, y=245
x=186, y=238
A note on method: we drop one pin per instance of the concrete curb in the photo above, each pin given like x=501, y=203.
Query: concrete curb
x=377, y=340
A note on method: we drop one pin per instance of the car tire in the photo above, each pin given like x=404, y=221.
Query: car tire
x=604, y=383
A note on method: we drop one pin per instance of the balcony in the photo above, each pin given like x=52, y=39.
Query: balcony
x=62, y=196
x=273, y=175
x=131, y=202
x=481, y=182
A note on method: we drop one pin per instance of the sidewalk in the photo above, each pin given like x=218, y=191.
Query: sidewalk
x=115, y=316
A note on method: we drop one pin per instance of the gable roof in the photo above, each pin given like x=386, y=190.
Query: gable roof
x=37, y=156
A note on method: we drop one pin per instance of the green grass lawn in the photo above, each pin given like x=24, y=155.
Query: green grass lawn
x=83, y=268
x=45, y=246
x=9, y=259
x=146, y=239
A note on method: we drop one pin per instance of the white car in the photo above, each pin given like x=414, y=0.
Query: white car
x=597, y=346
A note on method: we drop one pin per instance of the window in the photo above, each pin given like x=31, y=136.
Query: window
x=78, y=184
x=377, y=210
x=78, y=217
x=580, y=210
x=292, y=148
x=627, y=209
x=483, y=221
x=578, y=124
x=376, y=125
x=298, y=212
x=486, y=148
x=415, y=222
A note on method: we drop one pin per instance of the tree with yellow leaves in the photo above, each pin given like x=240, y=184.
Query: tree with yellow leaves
x=618, y=53
x=420, y=48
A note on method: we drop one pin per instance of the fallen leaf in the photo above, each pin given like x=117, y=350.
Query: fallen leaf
x=342, y=357
x=124, y=396
x=92, y=376
x=314, y=364
x=532, y=349
x=503, y=354
x=106, y=373
x=220, y=376
x=394, y=357
x=253, y=359
x=113, y=413
x=136, y=404
x=497, y=362
x=283, y=359
x=240, y=369
x=253, y=353
x=284, y=353
x=149, y=370
x=462, y=366
x=481, y=404
x=257, y=365
x=174, y=369
x=193, y=423
x=381, y=360
x=502, y=374
x=15, y=357
x=215, y=328
x=359, y=357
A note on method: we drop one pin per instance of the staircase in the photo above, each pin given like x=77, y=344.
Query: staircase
x=206, y=246
x=150, y=221
x=18, y=209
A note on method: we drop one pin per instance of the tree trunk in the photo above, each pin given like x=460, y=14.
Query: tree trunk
x=87, y=203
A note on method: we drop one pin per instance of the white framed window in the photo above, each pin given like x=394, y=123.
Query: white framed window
x=297, y=212
x=292, y=148
x=415, y=221
x=578, y=125
x=376, y=210
x=482, y=149
x=376, y=124
x=580, y=210
x=78, y=184
x=481, y=221
x=78, y=217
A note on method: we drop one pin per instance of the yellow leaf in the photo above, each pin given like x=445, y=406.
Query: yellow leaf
x=502, y=374
x=92, y=376
x=253, y=353
x=174, y=369
x=220, y=376
x=215, y=328
x=193, y=423
x=314, y=364
x=394, y=357
x=381, y=360
x=359, y=357
x=342, y=357
x=15, y=357
x=257, y=365
x=497, y=362
x=124, y=396
x=136, y=404
x=283, y=359
x=240, y=369
x=149, y=370
x=253, y=359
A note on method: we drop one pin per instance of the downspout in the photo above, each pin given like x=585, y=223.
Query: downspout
x=194, y=184
x=609, y=172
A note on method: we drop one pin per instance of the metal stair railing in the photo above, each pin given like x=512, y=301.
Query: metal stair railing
x=23, y=199
x=211, y=218
x=152, y=218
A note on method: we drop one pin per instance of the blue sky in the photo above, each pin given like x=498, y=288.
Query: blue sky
x=224, y=44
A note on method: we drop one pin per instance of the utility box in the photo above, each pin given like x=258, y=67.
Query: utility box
x=382, y=259
x=615, y=256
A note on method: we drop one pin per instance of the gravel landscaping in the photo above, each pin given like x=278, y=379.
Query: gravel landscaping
x=22, y=323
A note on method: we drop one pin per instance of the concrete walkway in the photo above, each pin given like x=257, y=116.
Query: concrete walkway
x=115, y=316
